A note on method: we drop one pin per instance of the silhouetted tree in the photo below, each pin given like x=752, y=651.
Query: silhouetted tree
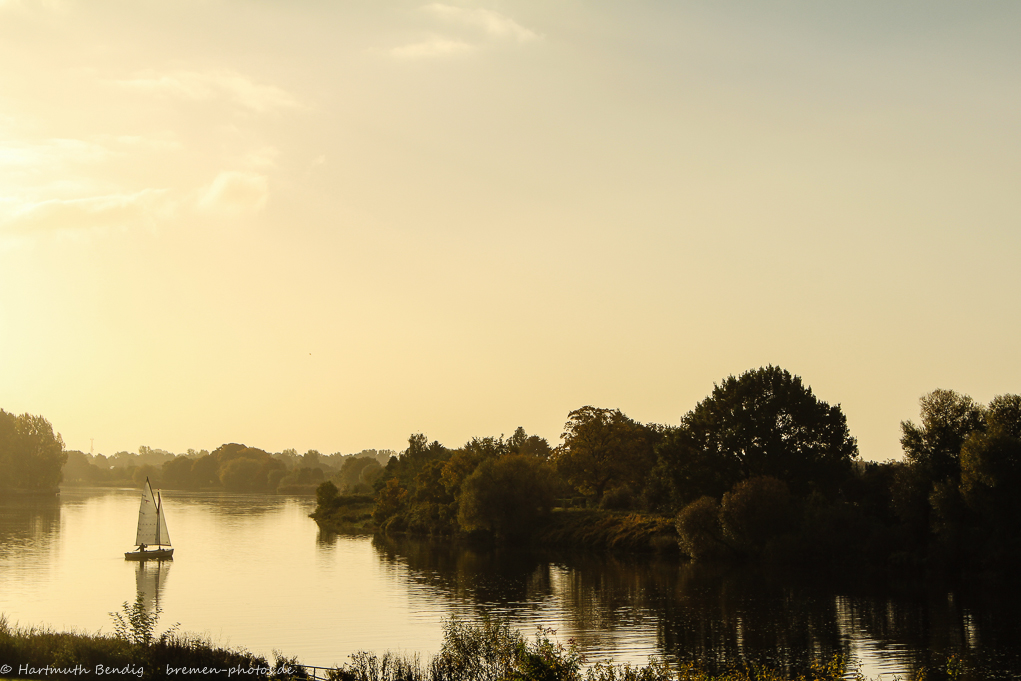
x=506, y=495
x=31, y=455
x=934, y=447
x=991, y=465
x=603, y=448
x=764, y=422
x=523, y=443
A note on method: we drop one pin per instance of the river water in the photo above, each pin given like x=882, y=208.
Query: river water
x=253, y=571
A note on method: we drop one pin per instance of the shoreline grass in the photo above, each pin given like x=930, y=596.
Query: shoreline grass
x=481, y=650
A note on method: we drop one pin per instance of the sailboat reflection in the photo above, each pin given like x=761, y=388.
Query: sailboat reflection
x=150, y=579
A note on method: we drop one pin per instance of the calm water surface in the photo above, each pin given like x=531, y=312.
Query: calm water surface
x=253, y=571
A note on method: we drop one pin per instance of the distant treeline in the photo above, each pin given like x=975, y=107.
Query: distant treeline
x=759, y=470
x=231, y=467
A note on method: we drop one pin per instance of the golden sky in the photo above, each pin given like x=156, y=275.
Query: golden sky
x=332, y=224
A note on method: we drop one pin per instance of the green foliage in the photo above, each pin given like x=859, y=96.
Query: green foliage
x=31, y=455
x=357, y=474
x=700, y=531
x=533, y=445
x=347, y=513
x=41, y=647
x=506, y=496
x=489, y=650
x=488, y=485
x=389, y=502
x=590, y=529
x=137, y=625
x=603, y=449
x=765, y=422
x=757, y=510
x=177, y=473
x=299, y=480
x=618, y=499
x=241, y=475
x=948, y=418
x=325, y=494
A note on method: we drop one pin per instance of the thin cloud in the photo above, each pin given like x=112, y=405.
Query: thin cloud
x=436, y=47
x=234, y=193
x=492, y=23
x=51, y=152
x=143, y=208
x=209, y=85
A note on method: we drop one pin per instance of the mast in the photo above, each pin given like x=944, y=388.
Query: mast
x=159, y=506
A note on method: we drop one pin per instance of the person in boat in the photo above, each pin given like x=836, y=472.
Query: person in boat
x=141, y=547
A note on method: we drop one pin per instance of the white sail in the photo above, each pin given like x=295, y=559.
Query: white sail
x=164, y=536
x=152, y=526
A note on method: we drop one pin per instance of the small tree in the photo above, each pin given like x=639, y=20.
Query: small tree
x=757, y=510
x=137, y=625
x=326, y=493
x=699, y=530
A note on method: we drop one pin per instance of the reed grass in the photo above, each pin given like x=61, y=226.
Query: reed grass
x=483, y=650
x=43, y=649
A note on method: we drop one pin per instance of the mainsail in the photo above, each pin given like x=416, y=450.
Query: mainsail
x=152, y=526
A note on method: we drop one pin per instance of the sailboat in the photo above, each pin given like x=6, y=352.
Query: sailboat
x=152, y=538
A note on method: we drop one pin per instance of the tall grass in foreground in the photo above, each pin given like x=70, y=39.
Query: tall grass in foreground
x=134, y=651
x=490, y=651
x=486, y=650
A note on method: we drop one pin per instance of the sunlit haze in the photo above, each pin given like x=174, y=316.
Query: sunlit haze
x=330, y=225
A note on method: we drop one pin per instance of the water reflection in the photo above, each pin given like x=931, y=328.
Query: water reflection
x=150, y=580
x=29, y=523
x=253, y=570
x=226, y=505
x=722, y=617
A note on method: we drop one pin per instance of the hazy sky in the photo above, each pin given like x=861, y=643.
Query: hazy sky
x=332, y=224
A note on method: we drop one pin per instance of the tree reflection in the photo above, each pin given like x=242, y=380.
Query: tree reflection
x=29, y=521
x=720, y=617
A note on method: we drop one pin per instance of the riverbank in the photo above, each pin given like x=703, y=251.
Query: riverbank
x=30, y=653
x=593, y=529
x=472, y=651
x=346, y=514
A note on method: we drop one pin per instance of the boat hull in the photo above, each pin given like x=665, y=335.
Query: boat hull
x=152, y=554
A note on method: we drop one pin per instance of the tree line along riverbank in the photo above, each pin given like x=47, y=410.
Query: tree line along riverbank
x=759, y=470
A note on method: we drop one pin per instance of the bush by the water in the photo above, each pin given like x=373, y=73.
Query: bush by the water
x=489, y=650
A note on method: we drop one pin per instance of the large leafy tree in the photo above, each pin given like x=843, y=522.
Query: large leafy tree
x=604, y=449
x=506, y=495
x=31, y=455
x=991, y=464
x=763, y=422
x=934, y=447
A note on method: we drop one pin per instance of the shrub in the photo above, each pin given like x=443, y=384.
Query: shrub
x=756, y=510
x=700, y=531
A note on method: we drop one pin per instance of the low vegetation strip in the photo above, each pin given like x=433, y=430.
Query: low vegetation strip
x=345, y=513
x=615, y=531
x=483, y=650
x=38, y=653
